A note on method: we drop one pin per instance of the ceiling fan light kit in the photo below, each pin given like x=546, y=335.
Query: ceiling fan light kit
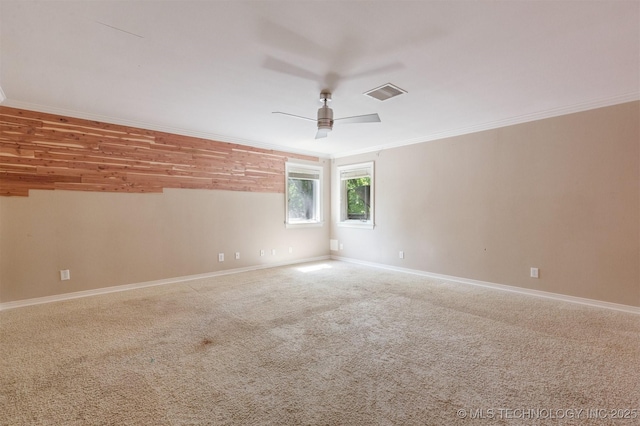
x=325, y=116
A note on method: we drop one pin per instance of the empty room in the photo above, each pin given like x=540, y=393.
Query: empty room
x=319, y=212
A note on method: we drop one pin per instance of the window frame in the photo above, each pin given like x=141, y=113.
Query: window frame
x=318, y=203
x=343, y=221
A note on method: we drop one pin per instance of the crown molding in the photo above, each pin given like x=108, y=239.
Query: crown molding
x=540, y=115
x=156, y=127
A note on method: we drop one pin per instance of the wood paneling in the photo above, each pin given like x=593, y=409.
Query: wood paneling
x=46, y=151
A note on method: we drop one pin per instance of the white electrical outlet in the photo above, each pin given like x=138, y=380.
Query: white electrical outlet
x=273, y=252
x=237, y=255
x=290, y=250
x=534, y=272
x=401, y=254
x=220, y=257
x=65, y=275
x=261, y=252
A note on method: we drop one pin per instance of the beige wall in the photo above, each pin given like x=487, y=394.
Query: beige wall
x=108, y=239
x=560, y=194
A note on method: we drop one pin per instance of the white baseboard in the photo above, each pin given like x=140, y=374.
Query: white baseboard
x=526, y=291
x=449, y=278
x=125, y=287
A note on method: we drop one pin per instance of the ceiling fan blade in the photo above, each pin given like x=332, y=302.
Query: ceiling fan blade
x=368, y=118
x=322, y=133
x=385, y=69
x=285, y=39
x=283, y=67
x=293, y=115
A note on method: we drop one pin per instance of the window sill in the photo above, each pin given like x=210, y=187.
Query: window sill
x=356, y=224
x=298, y=225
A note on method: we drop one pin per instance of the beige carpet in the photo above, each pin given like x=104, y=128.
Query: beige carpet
x=342, y=345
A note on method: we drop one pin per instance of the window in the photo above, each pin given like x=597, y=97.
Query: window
x=356, y=195
x=303, y=195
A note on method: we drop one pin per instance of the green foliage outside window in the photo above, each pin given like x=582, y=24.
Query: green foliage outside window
x=358, y=198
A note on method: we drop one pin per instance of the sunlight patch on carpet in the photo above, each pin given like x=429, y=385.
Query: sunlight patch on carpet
x=313, y=268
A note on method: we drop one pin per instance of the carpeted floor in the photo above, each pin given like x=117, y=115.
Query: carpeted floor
x=341, y=344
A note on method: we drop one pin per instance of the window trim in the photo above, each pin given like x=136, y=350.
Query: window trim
x=299, y=167
x=353, y=223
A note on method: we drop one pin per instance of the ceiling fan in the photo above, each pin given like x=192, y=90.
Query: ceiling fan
x=325, y=118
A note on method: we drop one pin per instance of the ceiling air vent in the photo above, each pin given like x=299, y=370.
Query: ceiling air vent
x=385, y=92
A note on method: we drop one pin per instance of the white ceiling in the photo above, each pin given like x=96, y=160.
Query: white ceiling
x=218, y=69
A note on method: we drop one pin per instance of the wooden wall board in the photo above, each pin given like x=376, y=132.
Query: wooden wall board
x=48, y=151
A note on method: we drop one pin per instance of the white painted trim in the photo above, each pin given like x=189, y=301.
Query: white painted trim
x=319, y=204
x=125, y=287
x=303, y=225
x=540, y=115
x=341, y=199
x=356, y=224
x=158, y=127
x=520, y=290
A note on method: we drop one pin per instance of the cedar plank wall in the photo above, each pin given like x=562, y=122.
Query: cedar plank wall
x=46, y=151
